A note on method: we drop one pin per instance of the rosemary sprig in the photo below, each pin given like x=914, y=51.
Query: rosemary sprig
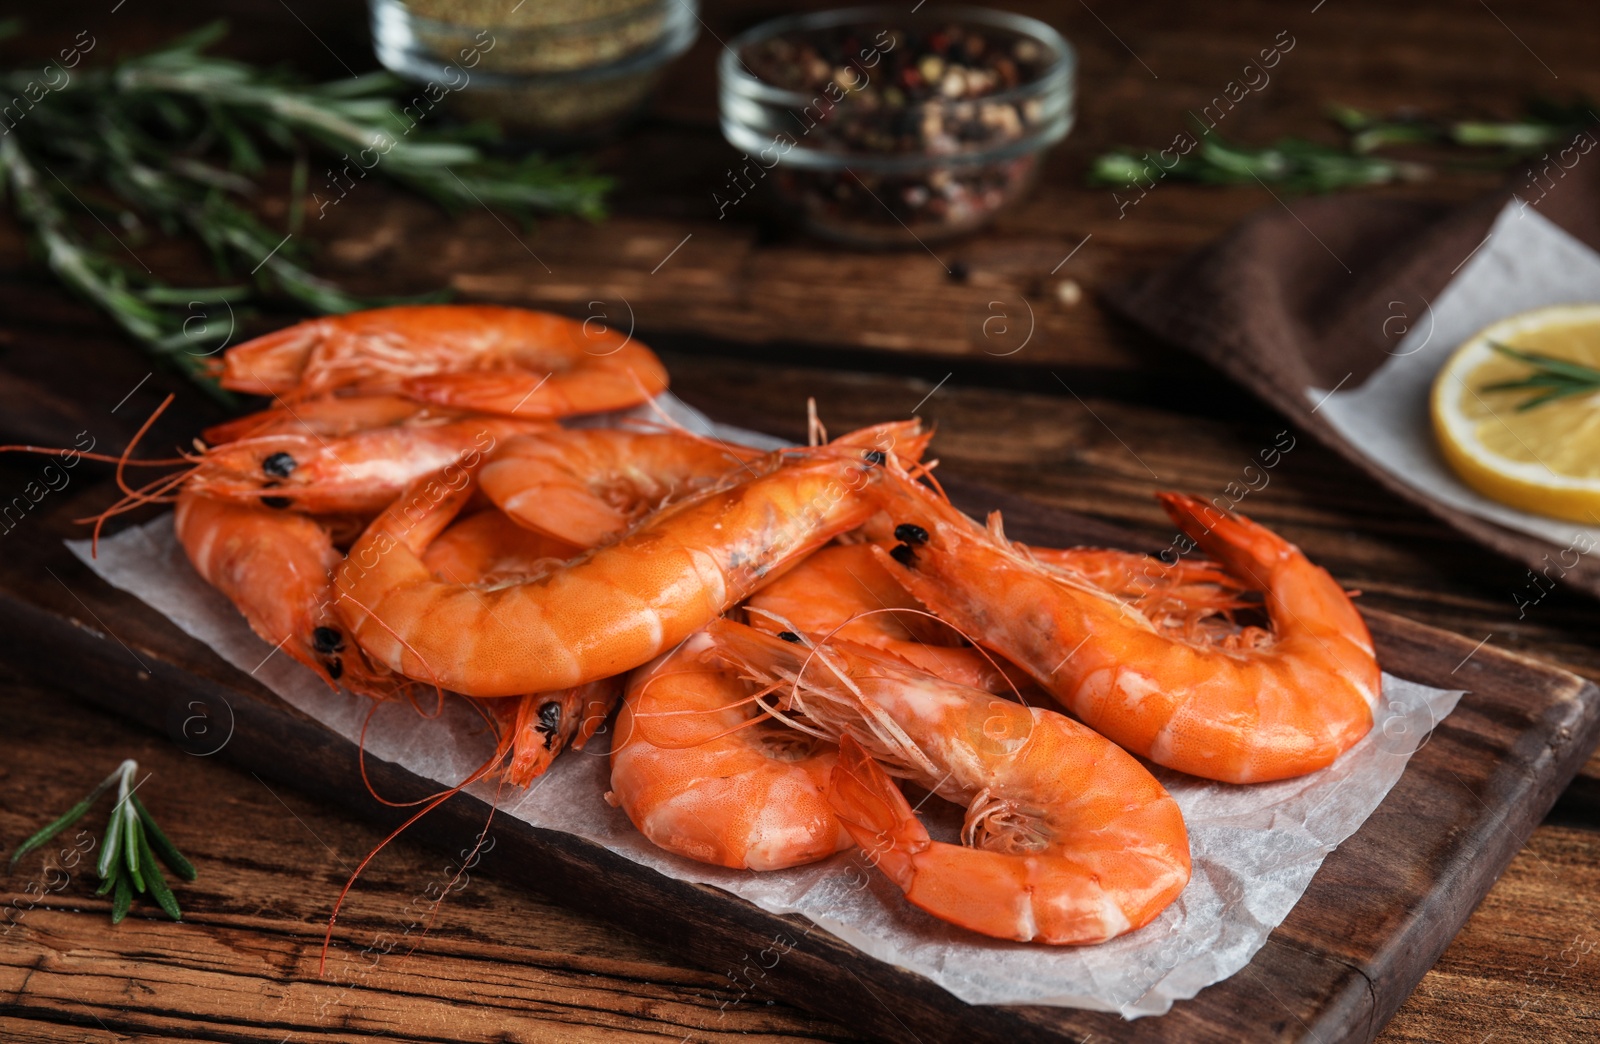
x=128, y=854
x=1294, y=163
x=1552, y=378
x=176, y=140
x=1301, y=165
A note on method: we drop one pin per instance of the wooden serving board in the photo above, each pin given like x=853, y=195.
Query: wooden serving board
x=1375, y=918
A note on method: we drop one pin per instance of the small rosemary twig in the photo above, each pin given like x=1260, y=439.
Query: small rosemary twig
x=133, y=842
x=1294, y=163
x=1301, y=165
x=1552, y=378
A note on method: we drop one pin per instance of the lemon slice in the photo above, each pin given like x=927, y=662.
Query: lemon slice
x=1545, y=459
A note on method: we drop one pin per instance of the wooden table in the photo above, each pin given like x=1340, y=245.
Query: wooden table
x=1089, y=415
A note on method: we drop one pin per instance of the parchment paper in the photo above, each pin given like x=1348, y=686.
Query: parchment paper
x=1255, y=848
x=1527, y=262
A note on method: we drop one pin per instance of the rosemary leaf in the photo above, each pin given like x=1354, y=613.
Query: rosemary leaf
x=133, y=847
x=163, y=845
x=109, y=865
x=73, y=814
x=121, y=899
x=158, y=884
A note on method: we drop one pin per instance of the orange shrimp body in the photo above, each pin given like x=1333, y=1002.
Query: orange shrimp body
x=275, y=567
x=845, y=592
x=1247, y=707
x=508, y=361
x=699, y=778
x=585, y=486
x=361, y=472
x=1067, y=838
x=488, y=549
x=611, y=609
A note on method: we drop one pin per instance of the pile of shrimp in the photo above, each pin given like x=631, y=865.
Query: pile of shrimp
x=788, y=640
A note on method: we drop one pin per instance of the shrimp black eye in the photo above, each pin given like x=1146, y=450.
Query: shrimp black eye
x=910, y=533
x=279, y=465
x=549, y=723
x=874, y=456
x=327, y=640
x=335, y=668
x=905, y=554
x=275, y=503
x=789, y=636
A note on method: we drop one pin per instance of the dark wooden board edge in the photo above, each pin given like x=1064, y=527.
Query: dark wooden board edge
x=1333, y=971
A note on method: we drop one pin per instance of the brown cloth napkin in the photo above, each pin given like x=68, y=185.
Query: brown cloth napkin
x=1289, y=301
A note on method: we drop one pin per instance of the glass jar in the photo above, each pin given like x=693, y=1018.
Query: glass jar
x=874, y=122
x=544, y=68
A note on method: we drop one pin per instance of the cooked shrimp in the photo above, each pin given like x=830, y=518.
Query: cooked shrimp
x=585, y=486
x=275, y=567
x=1247, y=706
x=361, y=472
x=699, y=777
x=480, y=357
x=843, y=591
x=612, y=609
x=1067, y=838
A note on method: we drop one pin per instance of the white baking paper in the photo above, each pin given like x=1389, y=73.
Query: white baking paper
x=1526, y=262
x=1255, y=848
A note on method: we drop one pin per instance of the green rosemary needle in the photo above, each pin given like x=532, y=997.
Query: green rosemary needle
x=130, y=851
x=1552, y=378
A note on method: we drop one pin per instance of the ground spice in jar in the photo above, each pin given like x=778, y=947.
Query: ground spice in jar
x=541, y=36
x=545, y=67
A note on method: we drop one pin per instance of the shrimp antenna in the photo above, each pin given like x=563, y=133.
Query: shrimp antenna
x=477, y=774
x=127, y=452
x=361, y=764
x=816, y=434
x=468, y=861
x=103, y=458
x=153, y=493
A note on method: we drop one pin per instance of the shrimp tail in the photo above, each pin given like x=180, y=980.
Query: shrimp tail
x=876, y=814
x=1244, y=548
x=269, y=364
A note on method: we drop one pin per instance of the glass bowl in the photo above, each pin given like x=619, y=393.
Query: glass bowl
x=545, y=68
x=872, y=122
